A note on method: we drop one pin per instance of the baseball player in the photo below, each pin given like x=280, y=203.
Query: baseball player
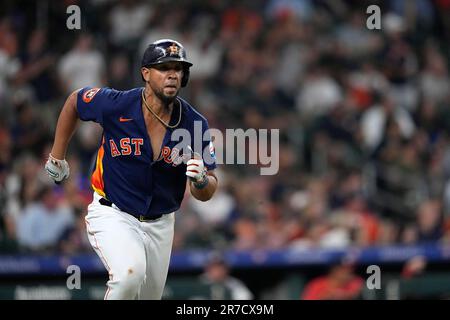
x=138, y=180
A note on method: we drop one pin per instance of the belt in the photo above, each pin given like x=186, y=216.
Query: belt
x=106, y=202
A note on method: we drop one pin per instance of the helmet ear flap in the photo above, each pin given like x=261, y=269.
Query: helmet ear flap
x=185, y=78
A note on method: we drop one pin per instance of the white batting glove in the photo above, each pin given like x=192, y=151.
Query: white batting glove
x=58, y=170
x=196, y=170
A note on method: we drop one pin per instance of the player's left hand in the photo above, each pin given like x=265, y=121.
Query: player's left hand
x=196, y=170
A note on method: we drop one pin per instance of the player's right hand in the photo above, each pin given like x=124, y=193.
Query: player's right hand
x=58, y=170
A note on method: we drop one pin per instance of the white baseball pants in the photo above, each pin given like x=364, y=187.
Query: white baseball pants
x=136, y=254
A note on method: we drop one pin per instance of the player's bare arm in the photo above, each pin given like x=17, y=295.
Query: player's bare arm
x=65, y=127
x=204, y=193
x=56, y=166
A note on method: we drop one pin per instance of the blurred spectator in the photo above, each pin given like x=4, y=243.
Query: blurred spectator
x=8, y=36
x=37, y=61
x=443, y=10
x=128, y=20
x=120, y=74
x=414, y=267
x=82, y=66
x=21, y=187
x=166, y=26
x=340, y=283
x=361, y=224
x=43, y=222
x=7, y=229
x=246, y=234
x=319, y=93
x=302, y=9
x=206, y=55
x=434, y=80
x=429, y=221
x=389, y=232
x=400, y=63
x=419, y=282
x=74, y=239
x=9, y=62
x=217, y=272
x=5, y=148
x=375, y=121
x=364, y=83
x=355, y=39
x=217, y=211
x=418, y=13
x=29, y=133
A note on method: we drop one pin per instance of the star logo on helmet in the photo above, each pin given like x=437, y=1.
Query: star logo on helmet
x=173, y=50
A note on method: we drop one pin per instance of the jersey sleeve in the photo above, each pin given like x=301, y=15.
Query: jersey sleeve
x=90, y=104
x=209, y=154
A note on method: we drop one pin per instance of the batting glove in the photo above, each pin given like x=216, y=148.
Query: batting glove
x=196, y=171
x=58, y=170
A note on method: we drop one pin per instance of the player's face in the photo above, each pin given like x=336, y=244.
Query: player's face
x=165, y=79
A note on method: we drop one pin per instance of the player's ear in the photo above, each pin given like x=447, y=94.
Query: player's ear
x=145, y=72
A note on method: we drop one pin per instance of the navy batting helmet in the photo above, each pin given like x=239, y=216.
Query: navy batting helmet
x=166, y=50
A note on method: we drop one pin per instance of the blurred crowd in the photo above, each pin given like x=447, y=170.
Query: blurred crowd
x=364, y=117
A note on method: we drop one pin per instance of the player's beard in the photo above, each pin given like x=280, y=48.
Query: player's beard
x=165, y=99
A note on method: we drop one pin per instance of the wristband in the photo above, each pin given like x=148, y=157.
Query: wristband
x=203, y=183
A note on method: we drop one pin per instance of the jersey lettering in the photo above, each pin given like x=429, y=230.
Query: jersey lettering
x=137, y=142
x=114, y=150
x=126, y=148
x=165, y=153
x=173, y=156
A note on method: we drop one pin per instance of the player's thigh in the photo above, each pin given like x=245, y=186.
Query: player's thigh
x=116, y=240
x=158, y=247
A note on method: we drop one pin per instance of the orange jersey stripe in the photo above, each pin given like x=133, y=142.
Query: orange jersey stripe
x=97, y=176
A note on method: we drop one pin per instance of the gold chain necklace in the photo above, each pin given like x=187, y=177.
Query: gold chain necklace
x=157, y=117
